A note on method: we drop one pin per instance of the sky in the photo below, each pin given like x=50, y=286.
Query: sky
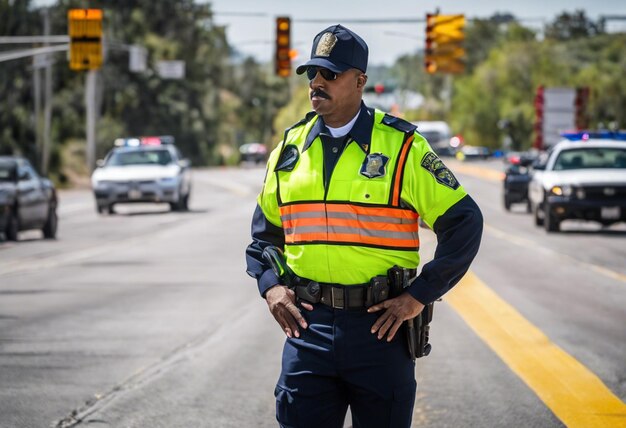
x=254, y=35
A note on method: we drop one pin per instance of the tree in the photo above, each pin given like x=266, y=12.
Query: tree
x=575, y=25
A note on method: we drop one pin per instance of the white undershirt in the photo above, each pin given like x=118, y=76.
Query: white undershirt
x=343, y=130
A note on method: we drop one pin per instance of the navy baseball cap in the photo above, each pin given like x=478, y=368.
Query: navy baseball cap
x=337, y=49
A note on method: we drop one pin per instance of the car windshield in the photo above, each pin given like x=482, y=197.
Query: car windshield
x=591, y=157
x=432, y=136
x=140, y=157
x=7, y=172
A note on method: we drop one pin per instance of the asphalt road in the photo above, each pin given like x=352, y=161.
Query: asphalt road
x=146, y=318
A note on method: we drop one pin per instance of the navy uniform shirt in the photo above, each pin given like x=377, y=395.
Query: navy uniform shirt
x=458, y=230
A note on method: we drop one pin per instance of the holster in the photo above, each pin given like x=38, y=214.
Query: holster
x=416, y=329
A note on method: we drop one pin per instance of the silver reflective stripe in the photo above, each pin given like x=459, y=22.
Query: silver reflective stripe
x=347, y=216
x=352, y=231
x=372, y=232
x=370, y=218
x=306, y=229
x=305, y=214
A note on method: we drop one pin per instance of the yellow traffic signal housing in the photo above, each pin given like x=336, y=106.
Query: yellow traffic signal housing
x=444, y=51
x=283, y=46
x=85, y=31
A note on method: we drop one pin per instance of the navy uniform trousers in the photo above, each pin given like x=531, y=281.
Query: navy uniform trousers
x=337, y=363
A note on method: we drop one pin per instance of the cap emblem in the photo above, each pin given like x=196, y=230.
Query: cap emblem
x=326, y=44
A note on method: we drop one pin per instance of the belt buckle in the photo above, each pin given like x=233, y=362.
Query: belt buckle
x=340, y=299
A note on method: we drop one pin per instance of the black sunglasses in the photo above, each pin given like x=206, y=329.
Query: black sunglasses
x=327, y=74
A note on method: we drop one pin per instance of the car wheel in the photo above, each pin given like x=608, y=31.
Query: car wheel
x=529, y=208
x=182, y=204
x=550, y=222
x=186, y=202
x=538, y=220
x=12, y=227
x=50, y=228
x=507, y=202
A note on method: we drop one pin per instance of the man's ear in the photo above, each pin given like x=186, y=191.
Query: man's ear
x=361, y=80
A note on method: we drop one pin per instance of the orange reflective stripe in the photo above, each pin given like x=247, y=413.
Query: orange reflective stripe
x=298, y=208
x=374, y=211
x=397, y=179
x=360, y=224
x=351, y=224
x=352, y=239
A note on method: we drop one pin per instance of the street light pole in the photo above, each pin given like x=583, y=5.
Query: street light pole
x=90, y=104
x=47, y=112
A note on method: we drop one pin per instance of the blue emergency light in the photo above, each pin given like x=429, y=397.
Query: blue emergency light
x=144, y=141
x=586, y=135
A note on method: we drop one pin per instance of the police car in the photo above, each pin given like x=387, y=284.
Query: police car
x=146, y=169
x=584, y=178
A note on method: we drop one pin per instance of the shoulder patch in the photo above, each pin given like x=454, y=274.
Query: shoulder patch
x=399, y=124
x=434, y=165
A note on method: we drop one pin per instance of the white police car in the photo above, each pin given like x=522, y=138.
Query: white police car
x=583, y=178
x=146, y=169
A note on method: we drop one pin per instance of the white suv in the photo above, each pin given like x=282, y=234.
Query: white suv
x=583, y=179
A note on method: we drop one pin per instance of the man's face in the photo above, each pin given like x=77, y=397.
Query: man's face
x=337, y=99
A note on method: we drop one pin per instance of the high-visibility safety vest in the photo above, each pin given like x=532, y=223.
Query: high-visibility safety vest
x=365, y=220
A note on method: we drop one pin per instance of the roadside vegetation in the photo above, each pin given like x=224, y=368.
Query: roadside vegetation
x=226, y=99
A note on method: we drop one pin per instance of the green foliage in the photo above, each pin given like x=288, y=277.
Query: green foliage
x=223, y=101
x=575, y=25
x=506, y=62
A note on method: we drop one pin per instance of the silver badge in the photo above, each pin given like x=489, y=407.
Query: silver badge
x=326, y=44
x=374, y=165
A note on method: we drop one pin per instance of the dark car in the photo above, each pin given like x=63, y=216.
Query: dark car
x=27, y=201
x=473, y=152
x=253, y=152
x=516, y=179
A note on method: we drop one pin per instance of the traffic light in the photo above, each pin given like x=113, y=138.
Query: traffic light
x=444, y=44
x=85, y=31
x=283, y=46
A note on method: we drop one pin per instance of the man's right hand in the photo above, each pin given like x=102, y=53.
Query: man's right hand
x=282, y=303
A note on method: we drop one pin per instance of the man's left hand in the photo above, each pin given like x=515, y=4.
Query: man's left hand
x=399, y=309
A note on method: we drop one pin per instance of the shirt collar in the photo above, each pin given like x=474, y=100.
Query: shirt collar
x=361, y=132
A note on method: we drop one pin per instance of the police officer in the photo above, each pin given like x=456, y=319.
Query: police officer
x=342, y=197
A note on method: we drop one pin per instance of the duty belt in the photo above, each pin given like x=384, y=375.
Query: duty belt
x=341, y=296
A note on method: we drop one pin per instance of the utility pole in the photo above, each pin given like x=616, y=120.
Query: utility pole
x=90, y=104
x=37, y=65
x=47, y=114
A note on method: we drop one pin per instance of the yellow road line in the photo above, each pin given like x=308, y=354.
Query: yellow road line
x=574, y=394
x=477, y=171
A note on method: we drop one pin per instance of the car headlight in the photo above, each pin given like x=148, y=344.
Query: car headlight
x=561, y=191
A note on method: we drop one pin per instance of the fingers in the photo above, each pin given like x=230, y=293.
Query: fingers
x=282, y=306
x=307, y=306
x=394, y=329
x=391, y=320
x=295, y=313
x=378, y=307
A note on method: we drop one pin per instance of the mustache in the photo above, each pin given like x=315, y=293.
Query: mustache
x=319, y=93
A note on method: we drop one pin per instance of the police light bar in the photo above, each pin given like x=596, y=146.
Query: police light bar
x=144, y=141
x=586, y=135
